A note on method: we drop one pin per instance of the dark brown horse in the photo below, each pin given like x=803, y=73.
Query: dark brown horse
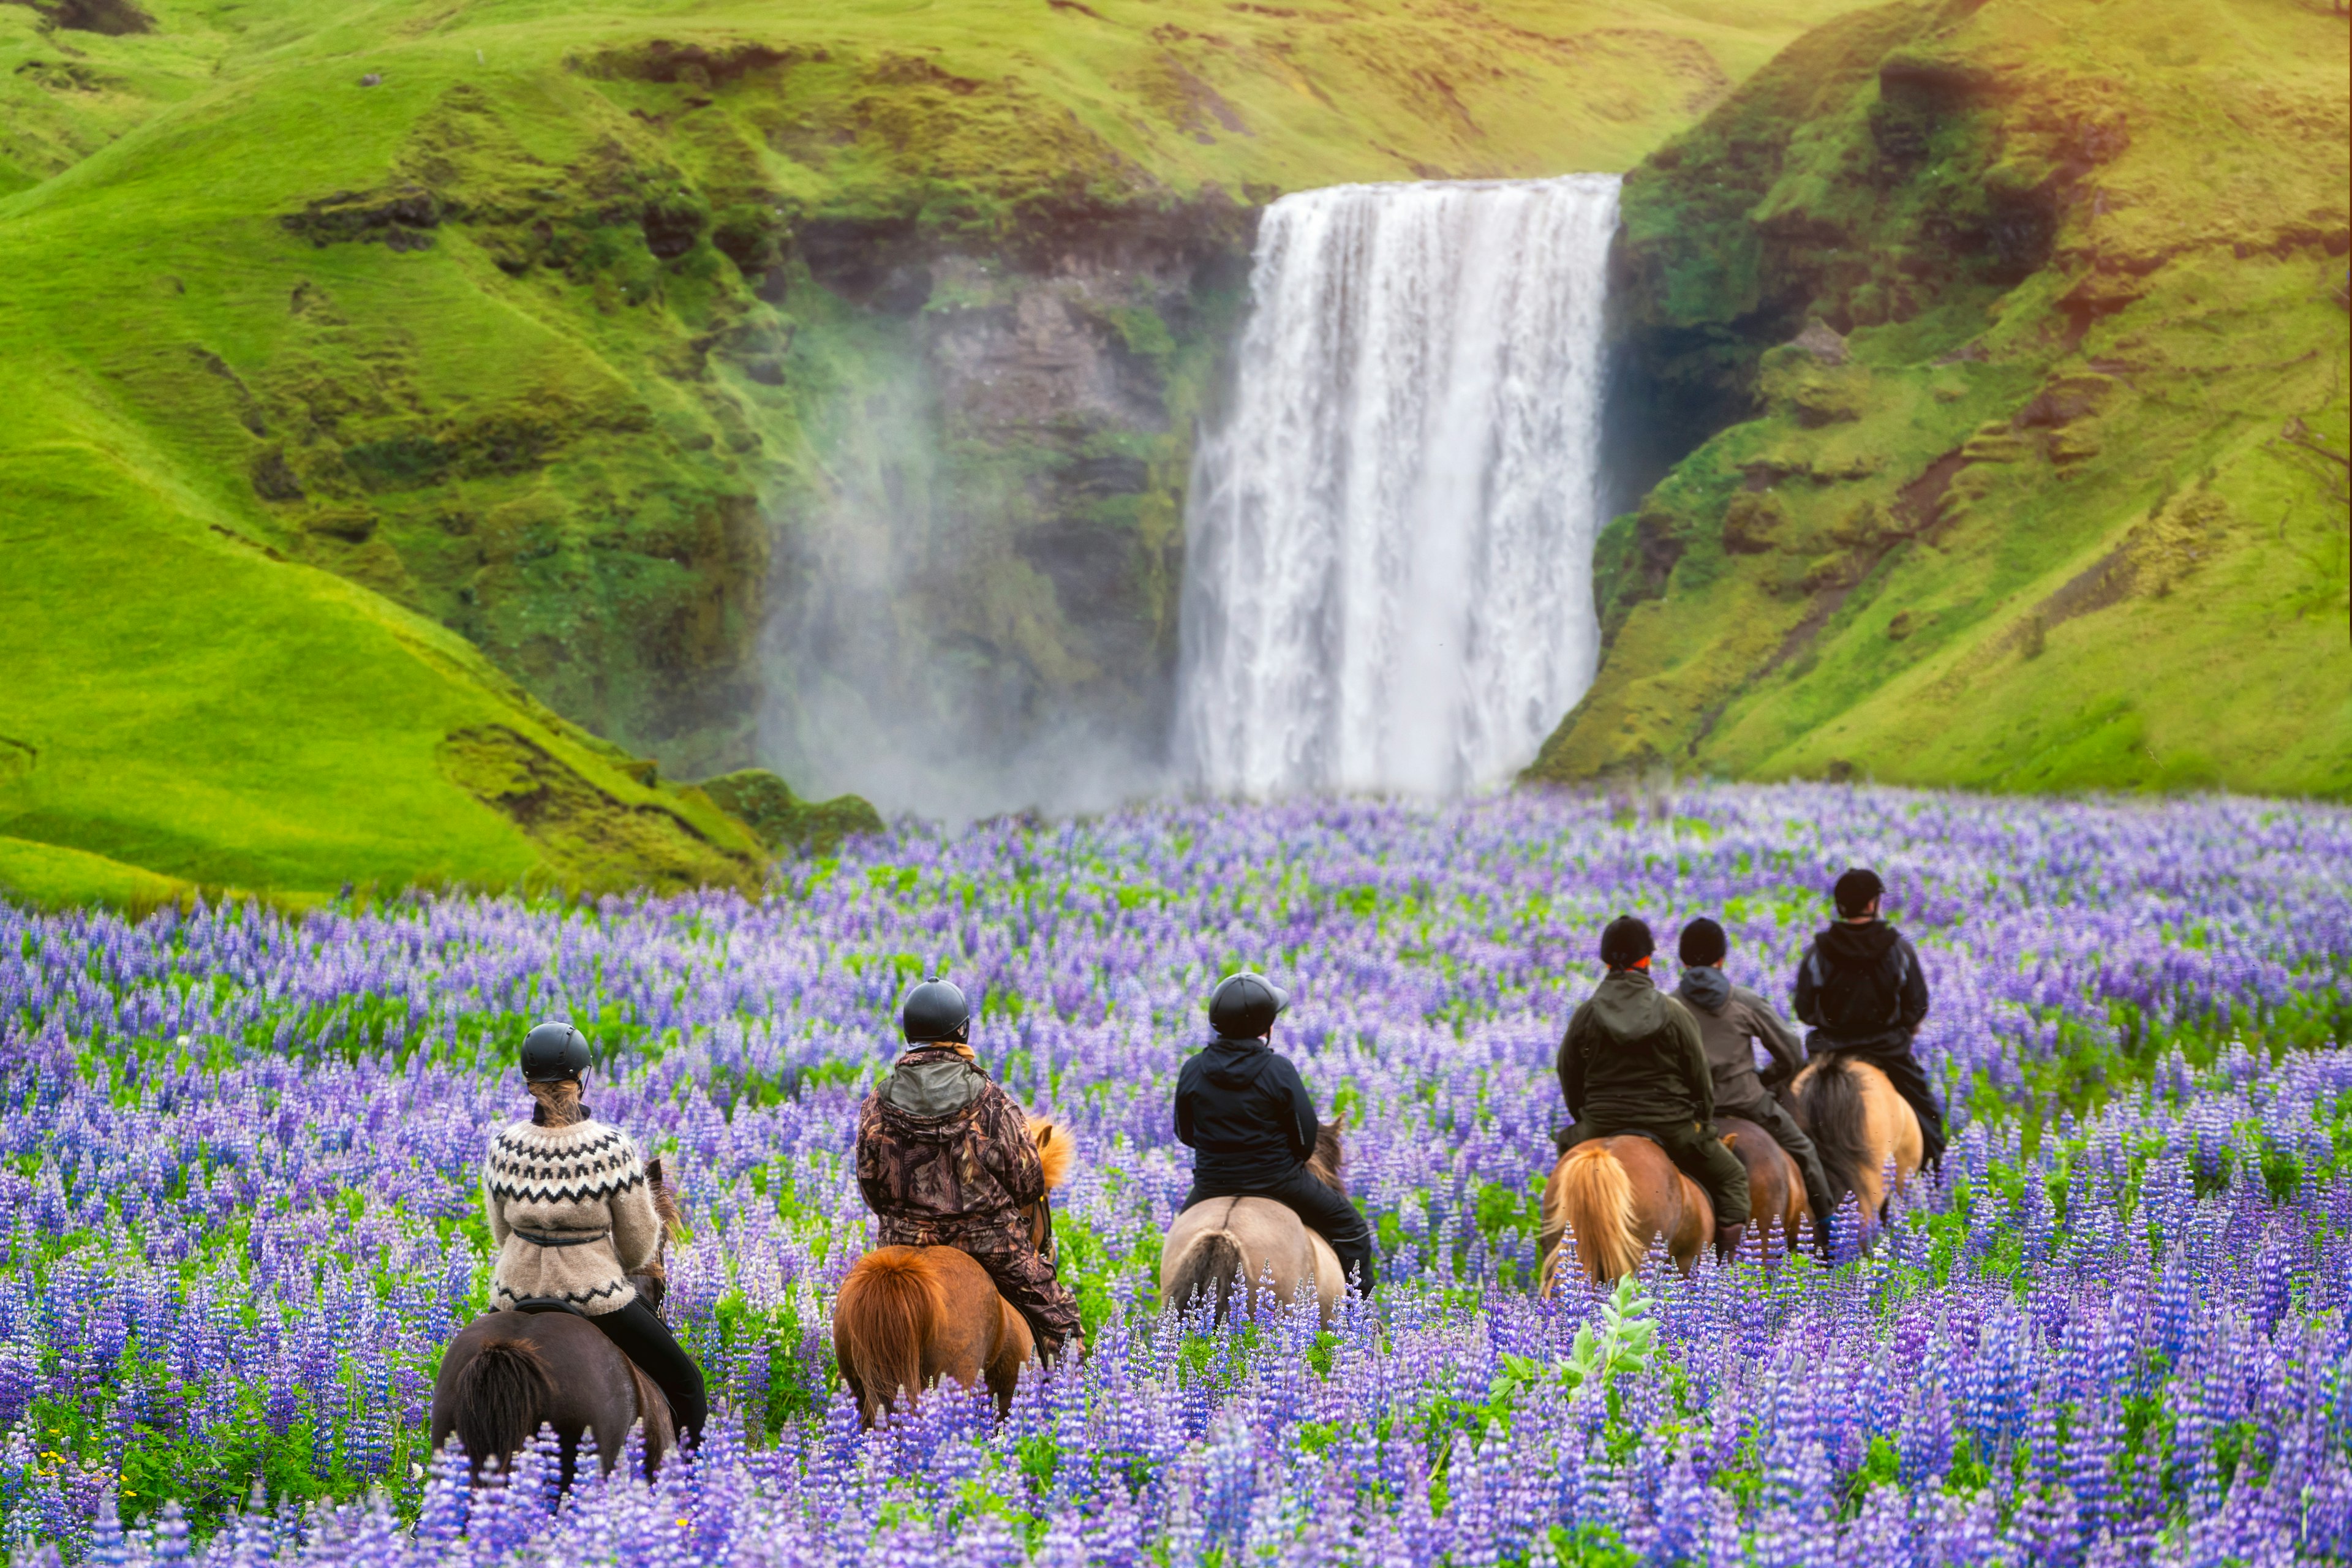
x=507, y=1372
x=908, y=1316
x=1776, y=1188
x=1613, y=1195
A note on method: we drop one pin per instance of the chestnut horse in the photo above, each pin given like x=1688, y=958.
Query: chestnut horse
x=908, y=1316
x=509, y=1372
x=1776, y=1188
x=1859, y=1124
x=1218, y=1241
x=1613, y=1195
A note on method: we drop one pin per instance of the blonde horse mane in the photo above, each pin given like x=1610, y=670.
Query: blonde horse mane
x=1593, y=1198
x=1055, y=1152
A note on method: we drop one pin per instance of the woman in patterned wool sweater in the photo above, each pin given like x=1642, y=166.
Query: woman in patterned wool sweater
x=574, y=1214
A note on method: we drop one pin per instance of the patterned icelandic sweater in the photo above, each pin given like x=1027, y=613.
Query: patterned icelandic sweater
x=582, y=1184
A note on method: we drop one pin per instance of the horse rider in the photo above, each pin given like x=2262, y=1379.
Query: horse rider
x=1863, y=990
x=945, y=1159
x=1732, y=1020
x=1245, y=1112
x=1632, y=1061
x=573, y=1211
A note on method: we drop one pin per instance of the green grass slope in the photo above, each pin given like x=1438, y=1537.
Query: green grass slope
x=370, y=367
x=188, y=711
x=2032, y=321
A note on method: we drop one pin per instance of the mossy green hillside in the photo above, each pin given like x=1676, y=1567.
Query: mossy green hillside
x=522, y=321
x=2030, y=325
x=181, y=696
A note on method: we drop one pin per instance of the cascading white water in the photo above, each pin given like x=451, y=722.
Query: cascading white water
x=1389, y=578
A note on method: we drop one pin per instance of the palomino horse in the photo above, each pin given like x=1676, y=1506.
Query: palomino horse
x=1220, y=1240
x=1776, y=1188
x=1613, y=1195
x=1858, y=1123
x=509, y=1372
x=908, y=1316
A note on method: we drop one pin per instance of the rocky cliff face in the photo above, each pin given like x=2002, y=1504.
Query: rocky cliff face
x=977, y=579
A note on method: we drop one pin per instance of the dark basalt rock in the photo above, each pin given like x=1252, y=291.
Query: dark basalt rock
x=400, y=219
x=115, y=18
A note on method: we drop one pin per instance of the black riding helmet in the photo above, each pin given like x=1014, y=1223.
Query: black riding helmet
x=934, y=1010
x=1244, y=1005
x=553, y=1052
x=1856, y=891
x=1626, y=942
x=1704, y=944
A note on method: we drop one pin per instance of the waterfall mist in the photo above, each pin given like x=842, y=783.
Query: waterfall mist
x=894, y=652
x=1388, y=580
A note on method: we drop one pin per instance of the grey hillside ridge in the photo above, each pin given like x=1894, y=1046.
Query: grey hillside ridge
x=573, y=1213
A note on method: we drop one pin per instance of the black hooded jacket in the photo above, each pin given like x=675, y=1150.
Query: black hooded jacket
x=1866, y=968
x=1243, y=1111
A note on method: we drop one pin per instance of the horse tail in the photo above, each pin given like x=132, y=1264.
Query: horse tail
x=497, y=1398
x=1207, y=1269
x=1597, y=1201
x=887, y=1306
x=1829, y=1105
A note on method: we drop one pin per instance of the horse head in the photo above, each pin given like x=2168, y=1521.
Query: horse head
x=1330, y=1156
x=1056, y=1151
x=653, y=1280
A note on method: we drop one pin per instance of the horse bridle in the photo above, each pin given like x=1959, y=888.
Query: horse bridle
x=1041, y=1229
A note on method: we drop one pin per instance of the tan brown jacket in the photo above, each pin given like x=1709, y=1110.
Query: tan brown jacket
x=1730, y=1016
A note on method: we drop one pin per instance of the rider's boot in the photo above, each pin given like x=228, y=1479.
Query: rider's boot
x=1727, y=1240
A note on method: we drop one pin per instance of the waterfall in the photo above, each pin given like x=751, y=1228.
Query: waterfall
x=1389, y=577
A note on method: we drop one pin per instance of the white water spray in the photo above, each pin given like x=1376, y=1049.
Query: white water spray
x=1389, y=583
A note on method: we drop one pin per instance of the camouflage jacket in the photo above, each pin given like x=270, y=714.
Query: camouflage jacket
x=941, y=1147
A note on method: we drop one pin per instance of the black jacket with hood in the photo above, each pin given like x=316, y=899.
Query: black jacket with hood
x=1243, y=1111
x=1633, y=1056
x=1873, y=959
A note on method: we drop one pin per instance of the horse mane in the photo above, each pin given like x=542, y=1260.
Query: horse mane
x=497, y=1396
x=666, y=1207
x=1829, y=1108
x=1324, y=1163
x=1054, y=1154
x=885, y=1309
x=1593, y=1198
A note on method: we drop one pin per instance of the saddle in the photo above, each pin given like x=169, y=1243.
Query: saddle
x=1560, y=1136
x=651, y=1287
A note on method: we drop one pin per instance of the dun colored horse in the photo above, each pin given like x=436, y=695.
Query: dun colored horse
x=1776, y=1188
x=1254, y=1240
x=1858, y=1123
x=908, y=1316
x=1613, y=1195
x=507, y=1372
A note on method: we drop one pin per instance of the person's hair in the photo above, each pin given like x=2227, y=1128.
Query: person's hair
x=1703, y=944
x=1856, y=891
x=559, y=1101
x=1626, y=942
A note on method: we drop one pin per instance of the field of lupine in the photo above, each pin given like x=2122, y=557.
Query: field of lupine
x=240, y=1209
